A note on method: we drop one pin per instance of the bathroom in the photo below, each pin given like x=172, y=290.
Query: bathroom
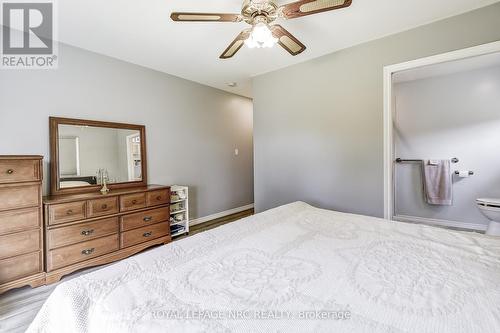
x=448, y=111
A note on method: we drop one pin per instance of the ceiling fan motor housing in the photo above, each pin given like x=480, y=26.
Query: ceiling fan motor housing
x=255, y=11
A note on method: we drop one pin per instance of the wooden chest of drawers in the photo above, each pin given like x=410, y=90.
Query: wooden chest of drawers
x=21, y=240
x=86, y=230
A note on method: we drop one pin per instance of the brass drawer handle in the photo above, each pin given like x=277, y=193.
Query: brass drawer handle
x=88, y=251
x=147, y=234
x=134, y=202
x=87, y=232
x=10, y=171
x=69, y=212
x=148, y=219
x=104, y=206
x=158, y=198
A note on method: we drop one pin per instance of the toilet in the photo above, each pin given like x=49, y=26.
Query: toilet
x=491, y=209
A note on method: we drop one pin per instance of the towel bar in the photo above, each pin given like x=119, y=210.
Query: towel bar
x=400, y=160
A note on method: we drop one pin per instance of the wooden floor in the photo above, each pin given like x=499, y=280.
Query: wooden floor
x=217, y=222
x=18, y=307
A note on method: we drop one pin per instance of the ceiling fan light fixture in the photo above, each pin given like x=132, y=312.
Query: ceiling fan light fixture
x=261, y=15
x=261, y=36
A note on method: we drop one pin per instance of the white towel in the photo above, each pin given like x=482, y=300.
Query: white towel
x=437, y=182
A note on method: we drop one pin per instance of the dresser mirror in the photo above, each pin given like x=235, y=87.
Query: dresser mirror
x=86, y=153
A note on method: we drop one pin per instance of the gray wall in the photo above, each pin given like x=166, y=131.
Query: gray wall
x=318, y=126
x=443, y=117
x=192, y=130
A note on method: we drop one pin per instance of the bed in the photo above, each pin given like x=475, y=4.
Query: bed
x=294, y=268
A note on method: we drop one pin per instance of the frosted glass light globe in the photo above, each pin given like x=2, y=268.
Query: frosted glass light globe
x=261, y=36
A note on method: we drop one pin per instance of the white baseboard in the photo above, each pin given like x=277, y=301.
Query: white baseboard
x=445, y=223
x=219, y=215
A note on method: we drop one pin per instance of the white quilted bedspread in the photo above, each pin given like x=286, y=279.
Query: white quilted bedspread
x=295, y=268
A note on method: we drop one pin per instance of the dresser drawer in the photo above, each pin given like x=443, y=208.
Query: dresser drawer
x=82, y=232
x=16, y=171
x=100, y=207
x=146, y=218
x=19, y=196
x=145, y=234
x=68, y=255
x=66, y=212
x=156, y=198
x=132, y=201
x=19, y=267
x=19, y=220
x=19, y=243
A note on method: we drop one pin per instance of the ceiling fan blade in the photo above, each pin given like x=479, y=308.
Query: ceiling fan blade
x=236, y=44
x=205, y=17
x=287, y=40
x=309, y=7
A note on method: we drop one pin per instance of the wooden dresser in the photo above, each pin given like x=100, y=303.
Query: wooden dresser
x=85, y=230
x=21, y=240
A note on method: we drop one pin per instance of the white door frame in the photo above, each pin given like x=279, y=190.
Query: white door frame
x=389, y=109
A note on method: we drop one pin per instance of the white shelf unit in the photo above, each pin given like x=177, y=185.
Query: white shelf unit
x=179, y=209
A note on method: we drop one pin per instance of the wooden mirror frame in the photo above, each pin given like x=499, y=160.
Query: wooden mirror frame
x=54, y=123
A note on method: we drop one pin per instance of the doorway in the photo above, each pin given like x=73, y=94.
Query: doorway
x=420, y=72
x=134, y=163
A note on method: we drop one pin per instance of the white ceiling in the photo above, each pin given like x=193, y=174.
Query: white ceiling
x=448, y=68
x=142, y=33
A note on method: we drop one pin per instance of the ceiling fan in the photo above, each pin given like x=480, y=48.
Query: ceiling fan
x=259, y=14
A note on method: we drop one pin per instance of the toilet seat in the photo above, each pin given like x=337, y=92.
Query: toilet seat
x=489, y=202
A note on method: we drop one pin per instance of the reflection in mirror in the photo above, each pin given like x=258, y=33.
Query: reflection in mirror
x=70, y=156
x=87, y=152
